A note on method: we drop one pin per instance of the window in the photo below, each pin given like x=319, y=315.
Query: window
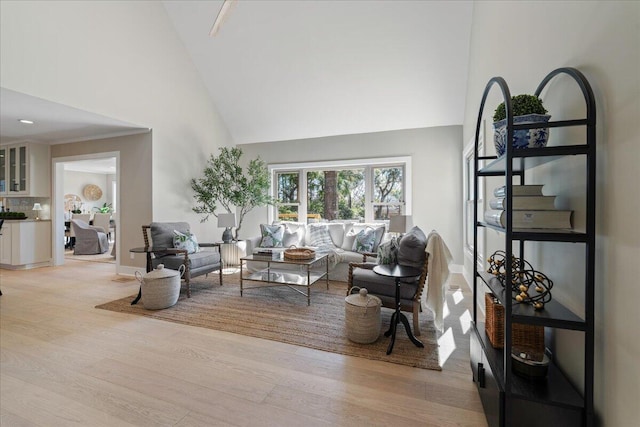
x=362, y=190
x=288, y=202
x=335, y=194
x=388, y=192
x=468, y=191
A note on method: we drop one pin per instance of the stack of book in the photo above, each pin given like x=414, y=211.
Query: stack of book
x=530, y=209
x=263, y=254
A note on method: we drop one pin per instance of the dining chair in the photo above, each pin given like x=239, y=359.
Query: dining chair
x=103, y=220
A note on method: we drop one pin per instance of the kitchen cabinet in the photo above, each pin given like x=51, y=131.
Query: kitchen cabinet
x=25, y=170
x=25, y=244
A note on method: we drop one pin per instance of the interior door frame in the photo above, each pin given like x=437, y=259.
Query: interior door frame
x=57, y=203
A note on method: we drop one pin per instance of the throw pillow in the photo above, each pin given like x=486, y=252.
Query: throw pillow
x=186, y=241
x=412, y=248
x=388, y=252
x=351, y=230
x=272, y=235
x=364, y=241
x=292, y=238
x=319, y=236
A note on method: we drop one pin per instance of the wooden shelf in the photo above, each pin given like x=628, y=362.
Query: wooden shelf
x=554, y=314
x=530, y=158
x=555, y=389
x=541, y=234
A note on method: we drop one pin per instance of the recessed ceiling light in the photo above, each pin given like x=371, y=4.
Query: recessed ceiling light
x=25, y=121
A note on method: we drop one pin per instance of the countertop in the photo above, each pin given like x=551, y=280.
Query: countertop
x=8, y=221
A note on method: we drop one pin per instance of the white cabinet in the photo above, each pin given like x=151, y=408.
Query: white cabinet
x=5, y=244
x=25, y=244
x=25, y=170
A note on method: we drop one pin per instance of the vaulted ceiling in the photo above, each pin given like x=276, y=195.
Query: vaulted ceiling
x=295, y=69
x=281, y=70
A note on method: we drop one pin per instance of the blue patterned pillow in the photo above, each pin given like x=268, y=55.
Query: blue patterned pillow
x=186, y=241
x=272, y=235
x=388, y=252
x=364, y=241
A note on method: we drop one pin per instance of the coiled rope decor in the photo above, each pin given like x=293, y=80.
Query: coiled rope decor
x=527, y=284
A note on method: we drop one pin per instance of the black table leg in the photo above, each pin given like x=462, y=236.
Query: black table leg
x=396, y=318
x=412, y=337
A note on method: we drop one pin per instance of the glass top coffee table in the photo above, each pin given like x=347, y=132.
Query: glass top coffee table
x=309, y=272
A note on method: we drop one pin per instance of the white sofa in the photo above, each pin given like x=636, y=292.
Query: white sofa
x=340, y=249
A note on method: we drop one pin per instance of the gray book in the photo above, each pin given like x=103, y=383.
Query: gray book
x=524, y=202
x=519, y=190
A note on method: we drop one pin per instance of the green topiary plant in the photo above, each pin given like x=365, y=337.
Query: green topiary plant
x=521, y=105
x=224, y=182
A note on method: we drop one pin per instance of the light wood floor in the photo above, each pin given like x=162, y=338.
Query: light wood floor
x=65, y=363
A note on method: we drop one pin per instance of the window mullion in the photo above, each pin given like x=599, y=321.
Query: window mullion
x=368, y=194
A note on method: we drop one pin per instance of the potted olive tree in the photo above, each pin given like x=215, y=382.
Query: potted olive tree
x=526, y=109
x=224, y=183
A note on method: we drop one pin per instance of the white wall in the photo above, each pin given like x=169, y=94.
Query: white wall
x=122, y=60
x=436, y=164
x=74, y=183
x=602, y=39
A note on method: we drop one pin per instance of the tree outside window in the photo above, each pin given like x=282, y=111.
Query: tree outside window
x=388, y=194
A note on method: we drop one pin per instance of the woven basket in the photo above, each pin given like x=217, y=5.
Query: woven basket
x=362, y=316
x=160, y=288
x=528, y=337
x=299, y=253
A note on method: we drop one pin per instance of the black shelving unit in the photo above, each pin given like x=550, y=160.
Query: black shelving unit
x=509, y=399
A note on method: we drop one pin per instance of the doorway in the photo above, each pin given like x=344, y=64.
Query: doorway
x=88, y=183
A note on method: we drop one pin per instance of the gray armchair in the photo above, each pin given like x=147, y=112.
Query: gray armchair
x=412, y=252
x=159, y=235
x=90, y=240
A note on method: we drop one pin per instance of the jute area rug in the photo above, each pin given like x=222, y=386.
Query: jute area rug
x=281, y=314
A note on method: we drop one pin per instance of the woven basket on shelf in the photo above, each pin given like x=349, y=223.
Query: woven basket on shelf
x=299, y=253
x=523, y=336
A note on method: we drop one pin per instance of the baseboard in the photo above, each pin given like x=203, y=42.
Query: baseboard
x=456, y=268
x=125, y=270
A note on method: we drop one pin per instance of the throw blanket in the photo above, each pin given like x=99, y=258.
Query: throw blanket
x=334, y=255
x=439, y=260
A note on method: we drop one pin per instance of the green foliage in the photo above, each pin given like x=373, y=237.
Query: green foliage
x=224, y=182
x=521, y=105
x=105, y=208
x=12, y=215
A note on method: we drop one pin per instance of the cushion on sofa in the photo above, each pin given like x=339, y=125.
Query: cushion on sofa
x=380, y=285
x=272, y=235
x=319, y=235
x=388, y=252
x=351, y=230
x=162, y=233
x=186, y=241
x=293, y=237
x=197, y=260
x=411, y=251
x=336, y=231
x=364, y=240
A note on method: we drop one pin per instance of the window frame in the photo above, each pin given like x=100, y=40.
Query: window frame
x=468, y=159
x=367, y=164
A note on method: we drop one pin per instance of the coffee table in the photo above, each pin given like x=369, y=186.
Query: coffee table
x=309, y=272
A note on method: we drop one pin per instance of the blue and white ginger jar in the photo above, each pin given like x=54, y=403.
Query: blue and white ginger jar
x=522, y=138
